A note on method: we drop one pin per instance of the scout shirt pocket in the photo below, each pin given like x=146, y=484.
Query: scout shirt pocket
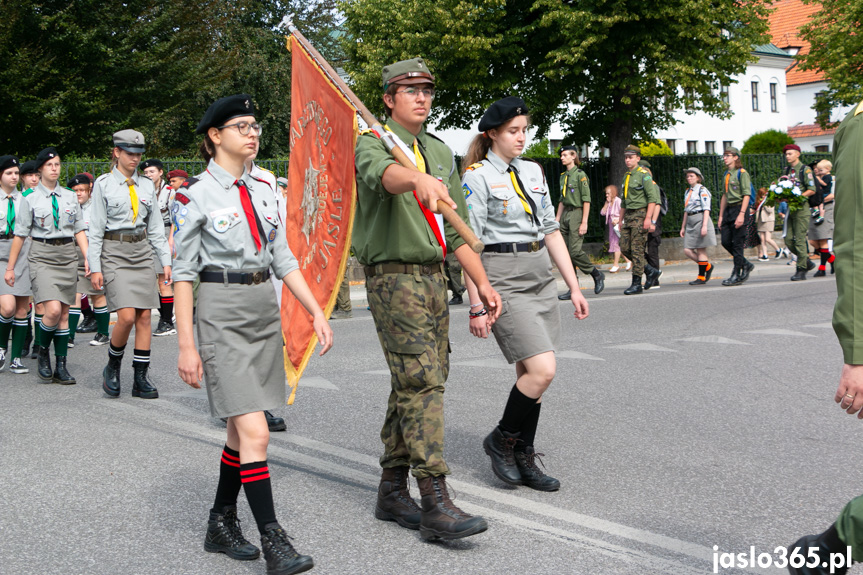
x=227, y=226
x=43, y=218
x=502, y=199
x=145, y=208
x=69, y=213
x=117, y=210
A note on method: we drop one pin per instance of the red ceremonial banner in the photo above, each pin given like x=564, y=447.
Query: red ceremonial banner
x=320, y=200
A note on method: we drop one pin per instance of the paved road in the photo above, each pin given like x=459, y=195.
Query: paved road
x=679, y=420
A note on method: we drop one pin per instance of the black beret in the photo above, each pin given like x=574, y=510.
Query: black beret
x=152, y=163
x=29, y=167
x=78, y=180
x=224, y=109
x=45, y=155
x=569, y=148
x=7, y=162
x=501, y=112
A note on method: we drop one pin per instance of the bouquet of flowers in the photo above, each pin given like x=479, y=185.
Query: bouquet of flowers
x=786, y=190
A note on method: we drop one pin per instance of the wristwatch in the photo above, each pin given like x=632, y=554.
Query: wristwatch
x=653, y=222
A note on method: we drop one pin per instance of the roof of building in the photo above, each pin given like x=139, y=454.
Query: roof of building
x=771, y=50
x=785, y=22
x=809, y=130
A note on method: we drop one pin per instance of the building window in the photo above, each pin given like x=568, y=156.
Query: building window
x=754, y=86
x=709, y=147
x=669, y=107
x=825, y=149
x=673, y=145
x=691, y=146
x=822, y=116
x=726, y=144
x=723, y=94
x=554, y=145
x=582, y=154
x=774, y=104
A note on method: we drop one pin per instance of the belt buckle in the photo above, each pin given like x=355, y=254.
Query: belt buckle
x=426, y=270
x=533, y=247
x=257, y=278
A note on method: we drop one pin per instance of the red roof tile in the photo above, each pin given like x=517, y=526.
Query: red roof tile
x=785, y=23
x=809, y=130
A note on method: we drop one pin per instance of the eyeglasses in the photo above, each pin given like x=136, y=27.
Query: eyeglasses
x=414, y=92
x=244, y=128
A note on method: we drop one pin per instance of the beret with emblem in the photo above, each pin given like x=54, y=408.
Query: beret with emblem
x=406, y=72
x=44, y=156
x=568, y=148
x=501, y=112
x=632, y=149
x=7, y=162
x=29, y=167
x=78, y=180
x=130, y=140
x=791, y=147
x=732, y=150
x=178, y=174
x=225, y=109
x=151, y=163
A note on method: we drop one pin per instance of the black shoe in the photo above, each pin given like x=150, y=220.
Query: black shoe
x=164, y=328
x=100, y=339
x=394, y=499
x=820, y=274
x=800, y=275
x=697, y=282
x=25, y=351
x=651, y=276
x=456, y=299
x=565, y=296
x=733, y=280
x=598, y=281
x=225, y=536
x=810, y=265
x=275, y=423
x=282, y=558
x=499, y=446
x=89, y=323
x=832, y=269
x=531, y=475
x=745, y=271
x=34, y=353
x=635, y=287
x=46, y=374
x=708, y=273
x=142, y=386
x=825, y=547
x=61, y=374
x=111, y=376
x=440, y=518
x=2, y=358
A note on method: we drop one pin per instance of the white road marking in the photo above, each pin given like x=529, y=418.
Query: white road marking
x=777, y=331
x=827, y=325
x=714, y=339
x=642, y=347
x=492, y=363
x=320, y=383
x=567, y=354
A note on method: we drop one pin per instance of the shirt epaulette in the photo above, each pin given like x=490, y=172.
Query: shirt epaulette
x=435, y=137
x=642, y=170
x=472, y=167
x=366, y=131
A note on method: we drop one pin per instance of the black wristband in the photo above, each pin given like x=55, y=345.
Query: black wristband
x=480, y=313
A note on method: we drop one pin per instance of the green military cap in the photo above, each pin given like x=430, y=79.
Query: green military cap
x=644, y=164
x=732, y=150
x=130, y=140
x=412, y=71
x=630, y=149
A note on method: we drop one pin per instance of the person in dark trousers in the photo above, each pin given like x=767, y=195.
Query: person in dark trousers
x=733, y=206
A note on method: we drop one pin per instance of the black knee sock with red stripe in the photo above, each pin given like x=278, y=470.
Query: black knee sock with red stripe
x=256, y=483
x=166, y=308
x=825, y=255
x=229, y=480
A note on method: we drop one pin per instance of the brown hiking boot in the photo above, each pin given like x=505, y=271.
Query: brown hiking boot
x=441, y=519
x=394, y=499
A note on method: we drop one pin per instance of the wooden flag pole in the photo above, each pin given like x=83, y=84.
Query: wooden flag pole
x=448, y=213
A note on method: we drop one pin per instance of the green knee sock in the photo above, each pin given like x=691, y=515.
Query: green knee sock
x=5, y=329
x=103, y=318
x=37, y=323
x=74, y=318
x=61, y=342
x=19, y=334
x=44, y=334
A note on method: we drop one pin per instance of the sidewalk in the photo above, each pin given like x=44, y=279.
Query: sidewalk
x=673, y=272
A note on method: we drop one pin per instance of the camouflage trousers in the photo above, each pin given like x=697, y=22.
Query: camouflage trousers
x=453, y=272
x=412, y=319
x=633, y=239
x=343, y=300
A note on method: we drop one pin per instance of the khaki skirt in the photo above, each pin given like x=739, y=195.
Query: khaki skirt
x=825, y=230
x=692, y=238
x=53, y=272
x=22, y=269
x=240, y=342
x=128, y=271
x=529, y=323
x=85, y=286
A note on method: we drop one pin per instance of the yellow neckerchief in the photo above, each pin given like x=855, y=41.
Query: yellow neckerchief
x=421, y=163
x=565, y=181
x=626, y=185
x=133, y=195
x=519, y=192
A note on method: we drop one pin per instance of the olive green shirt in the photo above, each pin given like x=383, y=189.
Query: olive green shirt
x=391, y=227
x=847, y=236
x=638, y=189
x=735, y=189
x=804, y=175
x=574, y=188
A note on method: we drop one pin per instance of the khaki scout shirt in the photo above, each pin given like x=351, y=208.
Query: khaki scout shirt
x=574, y=188
x=497, y=215
x=391, y=227
x=639, y=191
x=111, y=211
x=847, y=240
x=212, y=232
x=804, y=176
x=734, y=190
x=36, y=217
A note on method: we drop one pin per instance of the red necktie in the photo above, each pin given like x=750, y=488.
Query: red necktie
x=251, y=218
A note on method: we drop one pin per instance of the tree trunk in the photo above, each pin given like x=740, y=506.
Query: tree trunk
x=619, y=137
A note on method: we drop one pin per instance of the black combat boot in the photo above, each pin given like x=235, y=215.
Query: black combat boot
x=225, y=536
x=142, y=386
x=394, y=499
x=651, y=276
x=441, y=519
x=745, y=271
x=282, y=558
x=275, y=423
x=111, y=376
x=499, y=446
x=28, y=339
x=531, y=474
x=44, y=365
x=826, y=547
x=61, y=374
x=89, y=323
x=35, y=352
x=598, y=281
x=635, y=287
x=566, y=296
x=733, y=280
x=799, y=275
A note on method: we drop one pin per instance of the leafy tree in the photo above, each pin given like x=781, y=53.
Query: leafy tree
x=767, y=142
x=654, y=148
x=836, y=39
x=539, y=149
x=601, y=67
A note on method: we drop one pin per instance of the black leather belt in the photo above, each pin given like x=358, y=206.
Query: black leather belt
x=244, y=278
x=54, y=242
x=6, y=236
x=513, y=247
x=125, y=236
x=828, y=203
x=698, y=212
x=410, y=269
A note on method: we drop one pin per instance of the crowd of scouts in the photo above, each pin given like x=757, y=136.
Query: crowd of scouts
x=110, y=240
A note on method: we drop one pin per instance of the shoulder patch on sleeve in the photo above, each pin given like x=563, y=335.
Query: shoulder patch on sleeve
x=181, y=197
x=467, y=191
